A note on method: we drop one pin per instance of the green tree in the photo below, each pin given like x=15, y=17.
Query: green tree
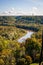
x=32, y=47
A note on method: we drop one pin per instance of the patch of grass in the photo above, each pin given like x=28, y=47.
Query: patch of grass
x=34, y=64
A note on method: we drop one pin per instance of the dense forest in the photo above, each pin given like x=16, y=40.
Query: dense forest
x=11, y=20
x=14, y=27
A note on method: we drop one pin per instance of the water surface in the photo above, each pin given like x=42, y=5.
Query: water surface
x=28, y=35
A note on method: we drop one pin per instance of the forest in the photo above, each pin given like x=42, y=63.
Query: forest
x=11, y=29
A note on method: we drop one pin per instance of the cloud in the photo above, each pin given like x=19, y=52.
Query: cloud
x=13, y=11
x=34, y=8
x=34, y=11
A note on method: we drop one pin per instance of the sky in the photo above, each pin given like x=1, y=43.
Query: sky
x=21, y=7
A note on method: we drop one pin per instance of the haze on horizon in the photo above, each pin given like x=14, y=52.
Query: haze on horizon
x=21, y=7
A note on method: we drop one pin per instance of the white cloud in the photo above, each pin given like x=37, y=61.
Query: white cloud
x=13, y=11
x=36, y=11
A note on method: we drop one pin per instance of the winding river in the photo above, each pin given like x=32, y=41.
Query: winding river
x=28, y=35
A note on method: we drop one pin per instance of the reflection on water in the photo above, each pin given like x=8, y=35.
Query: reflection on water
x=28, y=35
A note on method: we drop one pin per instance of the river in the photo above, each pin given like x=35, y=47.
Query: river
x=28, y=35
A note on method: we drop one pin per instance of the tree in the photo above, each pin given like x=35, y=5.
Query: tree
x=1, y=62
x=32, y=47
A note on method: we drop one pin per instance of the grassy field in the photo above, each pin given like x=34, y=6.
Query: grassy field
x=34, y=64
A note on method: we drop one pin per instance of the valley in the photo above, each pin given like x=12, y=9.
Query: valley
x=20, y=40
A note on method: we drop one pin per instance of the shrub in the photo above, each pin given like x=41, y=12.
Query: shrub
x=28, y=59
x=1, y=62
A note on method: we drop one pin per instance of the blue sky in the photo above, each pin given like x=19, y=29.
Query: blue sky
x=22, y=7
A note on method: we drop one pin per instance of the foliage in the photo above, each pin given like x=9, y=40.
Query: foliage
x=28, y=59
x=32, y=47
x=13, y=52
